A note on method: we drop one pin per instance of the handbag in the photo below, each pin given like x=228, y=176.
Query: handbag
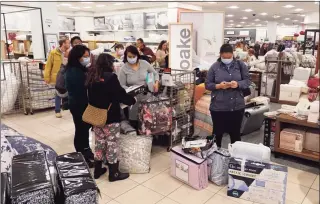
x=95, y=116
x=246, y=91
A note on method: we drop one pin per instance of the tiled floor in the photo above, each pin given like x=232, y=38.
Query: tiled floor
x=157, y=186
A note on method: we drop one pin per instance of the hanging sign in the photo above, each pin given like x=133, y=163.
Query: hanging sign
x=180, y=46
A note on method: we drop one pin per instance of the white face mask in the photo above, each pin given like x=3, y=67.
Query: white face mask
x=85, y=61
x=226, y=61
x=132, y=60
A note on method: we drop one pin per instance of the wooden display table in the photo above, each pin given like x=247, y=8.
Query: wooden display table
x=285, y=120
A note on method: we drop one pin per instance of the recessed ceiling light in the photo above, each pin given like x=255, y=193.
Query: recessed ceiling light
x=298, y=9
x=257, y=20
x=287, y=19
x=242, y=22
x=230, y=21
x=248, y=10
x=276, y=16
x=75, y=7
x=212, y=2
x=87, y=7
x=263, y=14
x=64, y=4
x=229, y=15
x=244, y=18
x=233, y=7
x=239, y=25
x=288, y=6
x=100, y=5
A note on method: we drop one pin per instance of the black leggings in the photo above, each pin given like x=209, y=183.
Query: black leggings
x=81, y=136
x=227, y=122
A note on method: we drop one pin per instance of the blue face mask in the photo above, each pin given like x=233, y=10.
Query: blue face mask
x=226, y=61
x=85, y=61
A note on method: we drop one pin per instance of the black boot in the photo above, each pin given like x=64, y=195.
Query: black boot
x=89, y=162
x=115, y=174
x=98, y=169
x=87, y=153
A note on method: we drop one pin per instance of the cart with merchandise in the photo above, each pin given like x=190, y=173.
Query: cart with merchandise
x=12, y=87
x=38, y=95
x=179, y=86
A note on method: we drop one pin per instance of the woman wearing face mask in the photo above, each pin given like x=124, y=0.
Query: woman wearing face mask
x=134, y=72
x=105, y=91
x=75, y=76
x=227, y=78
x=162, y=53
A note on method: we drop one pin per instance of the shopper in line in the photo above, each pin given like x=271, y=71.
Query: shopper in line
x=75, y=77
x=134, y=72
x=119, y=48
x=145, y=52
x=162, y=53
x=76, y=40
x=251, y=56
x=54, y=63
x=256, y=49
x=263, y=49
x=105, y=92
x=227, y=78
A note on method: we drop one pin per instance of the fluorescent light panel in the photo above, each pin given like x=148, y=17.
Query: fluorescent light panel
x=288, y=6
x=233, y=7
x=248, y=10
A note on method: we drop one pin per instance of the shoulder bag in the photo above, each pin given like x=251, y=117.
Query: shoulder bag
x=95, y=116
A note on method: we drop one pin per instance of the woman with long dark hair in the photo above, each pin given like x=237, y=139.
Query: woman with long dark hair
x=75, y=77
x=134, y=72
x=162, y=53
x=105, y=92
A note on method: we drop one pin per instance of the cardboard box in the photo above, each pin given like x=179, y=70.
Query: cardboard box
x=257, y=182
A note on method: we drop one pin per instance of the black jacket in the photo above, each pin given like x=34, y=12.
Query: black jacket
x=109, y=91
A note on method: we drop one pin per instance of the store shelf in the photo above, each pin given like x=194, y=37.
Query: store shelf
x=16, y=30
x=291, y=120
x=305, y=154
x=68, y=31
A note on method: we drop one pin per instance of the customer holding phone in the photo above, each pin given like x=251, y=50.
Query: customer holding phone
x=226, y=79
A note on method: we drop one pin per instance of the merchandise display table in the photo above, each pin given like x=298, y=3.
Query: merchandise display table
x=285, y=120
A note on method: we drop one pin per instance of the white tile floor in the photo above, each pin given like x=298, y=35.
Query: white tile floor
x=157, y=186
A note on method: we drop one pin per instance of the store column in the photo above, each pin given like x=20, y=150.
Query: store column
x=175, y=8
x=272, y=31
x=49, y=24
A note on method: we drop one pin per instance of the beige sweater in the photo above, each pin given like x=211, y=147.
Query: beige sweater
x=161, y=57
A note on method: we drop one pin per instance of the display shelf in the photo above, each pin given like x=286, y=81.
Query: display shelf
x=68, y=31
x=16, y=30
x=286, y=119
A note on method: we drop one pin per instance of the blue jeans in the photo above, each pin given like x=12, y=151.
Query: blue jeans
x=57, y=102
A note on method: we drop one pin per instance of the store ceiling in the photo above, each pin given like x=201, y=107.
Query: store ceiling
x=242, y=12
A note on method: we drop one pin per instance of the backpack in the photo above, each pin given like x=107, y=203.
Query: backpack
x=60, y=83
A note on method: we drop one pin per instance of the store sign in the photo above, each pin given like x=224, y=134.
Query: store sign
x=231, y=32
x=244, y=32
x=180, y=46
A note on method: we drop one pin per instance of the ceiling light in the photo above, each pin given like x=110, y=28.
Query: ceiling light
x=239, y=25
x=257, y=20
x=75, y=7
x=64, y=4
x=266, y=21
x=100, y=5
x=302, y=15
x=117, y=4
x=229, y=15
x=263, y=14
x=87, y=7
x=248, y=10
x=258, y=25
x=287, y=19
x=276, y=16
x=230, y=21
x=233, y=7
x=244, y=18
x=288, y=6
x=231, y=24
x=212, y=2
x=242, y=22
x=298, y=9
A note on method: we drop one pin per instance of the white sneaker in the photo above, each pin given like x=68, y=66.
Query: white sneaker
x=58, y=115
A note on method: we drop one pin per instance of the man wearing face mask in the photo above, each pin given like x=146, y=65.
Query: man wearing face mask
x=227, y=79
x=55, y=60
